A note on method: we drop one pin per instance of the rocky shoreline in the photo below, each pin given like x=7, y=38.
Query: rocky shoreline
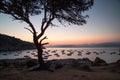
x=26, y=63
x=63, y=69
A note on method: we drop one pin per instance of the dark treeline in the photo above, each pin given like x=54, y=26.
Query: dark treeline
x=8, y=43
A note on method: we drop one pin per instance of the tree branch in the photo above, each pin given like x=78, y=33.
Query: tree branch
x=29, y=30
x=44, y=44
x=31, y=25
x=43, y=22
x=44, y=29
x=48, y=23
x=43, y=39
x=44, y=19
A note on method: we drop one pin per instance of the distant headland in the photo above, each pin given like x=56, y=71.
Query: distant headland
x=8, y=43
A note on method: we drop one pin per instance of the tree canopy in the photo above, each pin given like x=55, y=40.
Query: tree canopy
x=20, y=9
x=68, y=10
x=64, y=11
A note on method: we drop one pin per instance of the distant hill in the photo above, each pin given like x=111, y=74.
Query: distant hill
x=12, y=43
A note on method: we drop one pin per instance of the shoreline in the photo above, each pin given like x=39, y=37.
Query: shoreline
x=70, y=61
x=19, y=71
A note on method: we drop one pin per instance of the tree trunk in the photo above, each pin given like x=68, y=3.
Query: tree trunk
x=40, y=58
x=40, y=51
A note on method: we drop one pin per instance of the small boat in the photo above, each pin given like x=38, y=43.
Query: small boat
x=32, y=53
x=26, y=56
x=79, y=54
x=79, y=51
x=102, y=52
x=96, y=53
x=63, y=51
x=35, y=55
x=113, y=53
x=28, y=52
x=4, y=54
x=88, y=53
x=46, y=52
x=69, y=54
x=57, y=55
x=54, y=51
x=16, y=55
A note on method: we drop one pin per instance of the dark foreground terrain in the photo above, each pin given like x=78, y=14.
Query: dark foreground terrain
x=18, y=71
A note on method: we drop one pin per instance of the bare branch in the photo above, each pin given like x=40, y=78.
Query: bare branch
x=44, y=29
x=31, y=25
x=29, y=30
x=48, y=23
x=44, y=43
x=44, y=19
x=43, y=39
x=53, y=25
x=43, y=22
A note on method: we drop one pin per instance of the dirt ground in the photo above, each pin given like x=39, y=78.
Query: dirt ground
x=66, y=73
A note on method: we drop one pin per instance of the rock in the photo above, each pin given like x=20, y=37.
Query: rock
x=30, y=63
x=58, y=66
x=52, y=67
x=34, y=68
x=84, y=61
x=99, y=62
x=19, y=63
x=118, y=62
x=55, y=64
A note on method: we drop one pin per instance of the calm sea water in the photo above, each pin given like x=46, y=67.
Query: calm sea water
x=108, y=54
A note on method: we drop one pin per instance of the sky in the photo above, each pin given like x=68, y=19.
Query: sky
x=103, y=25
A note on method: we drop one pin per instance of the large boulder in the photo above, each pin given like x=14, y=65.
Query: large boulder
x=55, y=64
x=99, y=62
x=118, y=62
x=83, y=64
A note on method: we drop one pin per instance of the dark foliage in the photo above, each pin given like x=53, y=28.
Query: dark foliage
x=19, y=9
x=69, y=11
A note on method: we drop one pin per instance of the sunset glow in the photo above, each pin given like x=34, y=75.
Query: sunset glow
x=102, y=26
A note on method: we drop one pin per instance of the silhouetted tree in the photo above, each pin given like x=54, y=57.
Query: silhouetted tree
x=69, y=11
